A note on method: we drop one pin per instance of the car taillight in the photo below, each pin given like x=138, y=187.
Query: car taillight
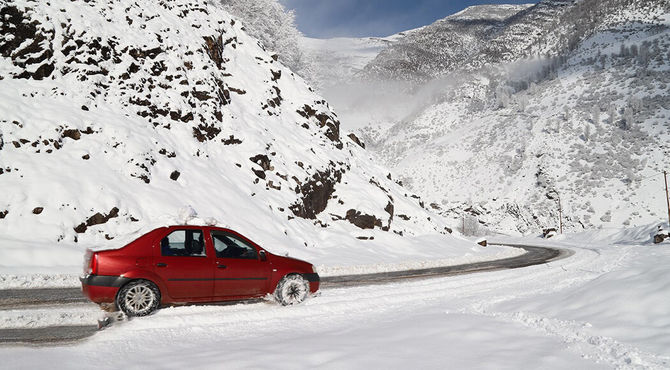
x=94, y=264
x=91, y=266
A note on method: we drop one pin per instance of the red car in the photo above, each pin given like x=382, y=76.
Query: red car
x=190, y=264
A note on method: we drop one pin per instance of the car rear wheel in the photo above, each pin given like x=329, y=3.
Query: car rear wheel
x=292, y=289
x=138, y=298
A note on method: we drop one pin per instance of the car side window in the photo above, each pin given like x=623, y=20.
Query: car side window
x=184, y=243
x=230, y=246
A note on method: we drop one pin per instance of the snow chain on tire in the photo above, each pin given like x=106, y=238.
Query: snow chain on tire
x=291, y=290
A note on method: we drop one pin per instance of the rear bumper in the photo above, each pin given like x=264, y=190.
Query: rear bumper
x=101, y=288
x=314, y=281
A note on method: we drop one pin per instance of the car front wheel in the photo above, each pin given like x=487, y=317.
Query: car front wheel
x=138, y=298
x=291, y=289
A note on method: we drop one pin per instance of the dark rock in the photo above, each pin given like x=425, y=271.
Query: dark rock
x=38, y=210
x=200, y=95
x=214, y=47
x=81, y=228
x=259, y=173
x=333, y=125
x=482, y=242
x=231, y=140
x=164, y=152
x=175, y=175
x=139, y=54
x=73, y=134
x=362, y=221
x=86, y=157
x=389, y=209
x=223, y=93
x=96, y=219
x=549, y=232
x=187, y=118
x=356, y=140
x=205, y=132
x=4, y=213
x=316, y=193
x=263, y=161
x=30, y=45
x=238, y=91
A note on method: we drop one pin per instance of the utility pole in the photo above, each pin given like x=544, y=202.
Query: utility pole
x=560, y=214
x=667, y=199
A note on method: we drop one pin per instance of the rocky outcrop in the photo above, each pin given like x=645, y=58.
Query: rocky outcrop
x=363, y=221
x=315, y=193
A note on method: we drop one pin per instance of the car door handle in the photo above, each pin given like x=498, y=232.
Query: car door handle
x=161, y=264
x=220, y=266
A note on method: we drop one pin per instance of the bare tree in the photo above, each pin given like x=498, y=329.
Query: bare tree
x=271, y=23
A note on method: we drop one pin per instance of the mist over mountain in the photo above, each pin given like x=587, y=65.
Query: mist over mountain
x=496, y=112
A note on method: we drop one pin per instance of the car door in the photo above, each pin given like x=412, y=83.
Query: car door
x=184, y=266
x=239, y=270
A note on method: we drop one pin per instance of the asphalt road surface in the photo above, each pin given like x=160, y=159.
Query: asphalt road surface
x=23, y=298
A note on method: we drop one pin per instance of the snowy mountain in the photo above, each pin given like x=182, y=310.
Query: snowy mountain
x=340, y=59
x=506, y=110
x=451, y=42
x=114, y=115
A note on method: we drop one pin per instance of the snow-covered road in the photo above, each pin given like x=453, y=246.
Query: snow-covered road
x=604, y=307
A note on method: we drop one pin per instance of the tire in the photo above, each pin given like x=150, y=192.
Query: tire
x=291, y=290
x=138, y=298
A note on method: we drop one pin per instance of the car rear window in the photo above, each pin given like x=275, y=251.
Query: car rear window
x=184, y=243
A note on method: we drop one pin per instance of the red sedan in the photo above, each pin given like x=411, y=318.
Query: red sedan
x=190, y=264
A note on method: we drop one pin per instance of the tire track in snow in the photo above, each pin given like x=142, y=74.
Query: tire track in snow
x=576, y=335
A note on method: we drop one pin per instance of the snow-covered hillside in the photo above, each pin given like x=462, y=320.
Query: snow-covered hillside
x=457, y=40
x=114, y=115
x=561, y=100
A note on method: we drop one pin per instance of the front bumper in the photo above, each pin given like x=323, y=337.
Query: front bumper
x=101, y=288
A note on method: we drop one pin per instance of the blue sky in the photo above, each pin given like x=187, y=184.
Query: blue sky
x=333, y=18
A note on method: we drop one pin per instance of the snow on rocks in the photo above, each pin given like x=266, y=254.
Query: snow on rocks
x=115, y=114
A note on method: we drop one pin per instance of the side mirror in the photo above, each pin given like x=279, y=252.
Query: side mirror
x=264, y=257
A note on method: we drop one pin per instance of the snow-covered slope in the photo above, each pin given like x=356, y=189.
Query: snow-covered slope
x=116, y=114
x=454, y=41
x=561, y=100
x=590, y=128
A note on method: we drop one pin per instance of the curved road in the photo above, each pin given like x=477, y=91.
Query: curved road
x=20, y=298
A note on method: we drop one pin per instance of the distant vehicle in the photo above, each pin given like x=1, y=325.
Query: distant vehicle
x=192, y=264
